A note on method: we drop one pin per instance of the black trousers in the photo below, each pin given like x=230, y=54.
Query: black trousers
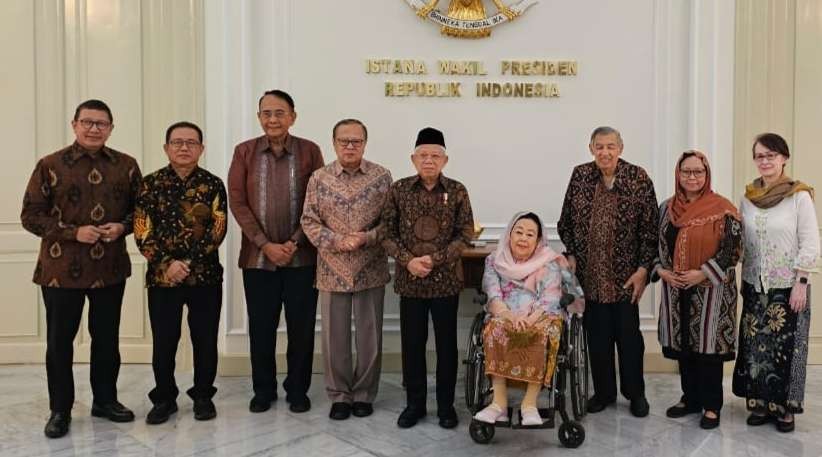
x=64, y=310
x=165, y=309
x=413, y=337
x=606, y=325
x=701, y=382
x=266, y=293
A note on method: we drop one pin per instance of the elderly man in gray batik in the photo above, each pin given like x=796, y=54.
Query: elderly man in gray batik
x=341, y=217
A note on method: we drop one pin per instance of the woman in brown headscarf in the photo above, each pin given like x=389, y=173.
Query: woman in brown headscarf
x=699, y=247
x=781, y=250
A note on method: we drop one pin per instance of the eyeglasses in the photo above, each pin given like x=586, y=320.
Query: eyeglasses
x=698, y=173
x=769, y=156
x=178, y=143
x=279, y=114
x=88, y=124
x=344, y=142
x=432, y=157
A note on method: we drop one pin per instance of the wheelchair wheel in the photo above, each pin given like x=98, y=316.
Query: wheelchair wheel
x=571, y=434
x=579, y=368
x=481, y=432
x=477, y=385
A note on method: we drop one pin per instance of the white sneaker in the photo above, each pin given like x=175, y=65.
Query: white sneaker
x=491, y=414
x=530, y=416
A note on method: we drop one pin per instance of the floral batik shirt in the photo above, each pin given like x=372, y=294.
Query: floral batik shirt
x=181, y=219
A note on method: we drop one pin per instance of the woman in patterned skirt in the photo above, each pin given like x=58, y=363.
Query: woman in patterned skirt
x=700, y=242
x=781, y=250
x=524, y=280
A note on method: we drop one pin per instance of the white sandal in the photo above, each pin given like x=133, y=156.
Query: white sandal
x=530, y=416
x=492, y=414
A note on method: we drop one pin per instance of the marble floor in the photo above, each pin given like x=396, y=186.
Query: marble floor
x=236, y=432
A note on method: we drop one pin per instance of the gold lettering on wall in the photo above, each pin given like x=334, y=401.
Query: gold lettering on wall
x=484, y=89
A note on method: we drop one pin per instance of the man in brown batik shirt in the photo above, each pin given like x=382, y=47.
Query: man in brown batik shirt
x=427, y=222
x=266, y=190
x=80, y=202
x=609, y=228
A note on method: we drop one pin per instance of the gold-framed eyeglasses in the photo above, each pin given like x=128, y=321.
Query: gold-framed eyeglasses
x=696, y=173
x=278, y=114
x=345, y=142
x=178, y=143
x=89, y=123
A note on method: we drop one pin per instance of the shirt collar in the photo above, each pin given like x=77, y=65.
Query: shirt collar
x=620, y=170
x=440, y=182
x=363, y=168
x=169, y=170
x=264, y=146
x=78, y=151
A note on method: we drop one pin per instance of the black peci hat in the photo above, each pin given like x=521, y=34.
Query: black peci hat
x=430, y=135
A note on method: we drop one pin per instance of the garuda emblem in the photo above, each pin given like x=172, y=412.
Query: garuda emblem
x=467, y=18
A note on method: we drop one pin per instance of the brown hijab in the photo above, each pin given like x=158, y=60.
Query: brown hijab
x=701, y=222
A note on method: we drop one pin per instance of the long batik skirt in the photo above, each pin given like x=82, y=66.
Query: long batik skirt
x=528, y=356
x=773, y=352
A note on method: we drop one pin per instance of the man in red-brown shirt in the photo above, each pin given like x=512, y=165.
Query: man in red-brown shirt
x=266, y=191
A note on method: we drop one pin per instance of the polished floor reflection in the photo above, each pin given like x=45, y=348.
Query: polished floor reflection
x=236, y=432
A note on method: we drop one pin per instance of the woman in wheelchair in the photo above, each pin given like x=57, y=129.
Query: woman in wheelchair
x=524, y=281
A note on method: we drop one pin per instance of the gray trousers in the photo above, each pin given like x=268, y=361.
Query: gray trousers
x=345, y=382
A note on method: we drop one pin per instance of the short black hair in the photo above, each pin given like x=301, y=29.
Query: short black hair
x=279, y=94
x=773, y=142
x=349, y=122
x=533, y=217
x=184, y=125
x=94, y=104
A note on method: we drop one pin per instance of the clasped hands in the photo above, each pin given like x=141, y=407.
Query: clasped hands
x=90, y=234
x=682, y=279
x=420, y=267
x=521, y=321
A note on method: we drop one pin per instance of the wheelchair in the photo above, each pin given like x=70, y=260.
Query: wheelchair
x=571, y=369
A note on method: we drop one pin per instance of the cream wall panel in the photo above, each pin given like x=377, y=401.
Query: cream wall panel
x=24, y=320
x=778, y=74
x=144, y=58
x=17, y=114
x=807, y=144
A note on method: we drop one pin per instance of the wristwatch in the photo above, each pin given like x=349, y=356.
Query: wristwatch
x=803, y=280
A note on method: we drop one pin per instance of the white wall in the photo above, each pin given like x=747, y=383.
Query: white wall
x=661, y=71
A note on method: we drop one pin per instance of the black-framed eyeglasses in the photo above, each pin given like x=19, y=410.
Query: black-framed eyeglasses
x=344, y=142
x=699, y=173
x=89, y=123
x=178, y=143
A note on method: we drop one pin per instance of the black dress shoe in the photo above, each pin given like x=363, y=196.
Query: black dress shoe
x=596, y=405
x=757, y=419
x=448, y=417
x=639, y=407
x=300, y=405
x=785, y=427
x=160, y=412
x=681, y=411
x=410, y=416
x=204, y=409
x=709, y=423
x=362, y=409
x=340, y=411
x=114, y=411
x=259, y=404
x=57, y=425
